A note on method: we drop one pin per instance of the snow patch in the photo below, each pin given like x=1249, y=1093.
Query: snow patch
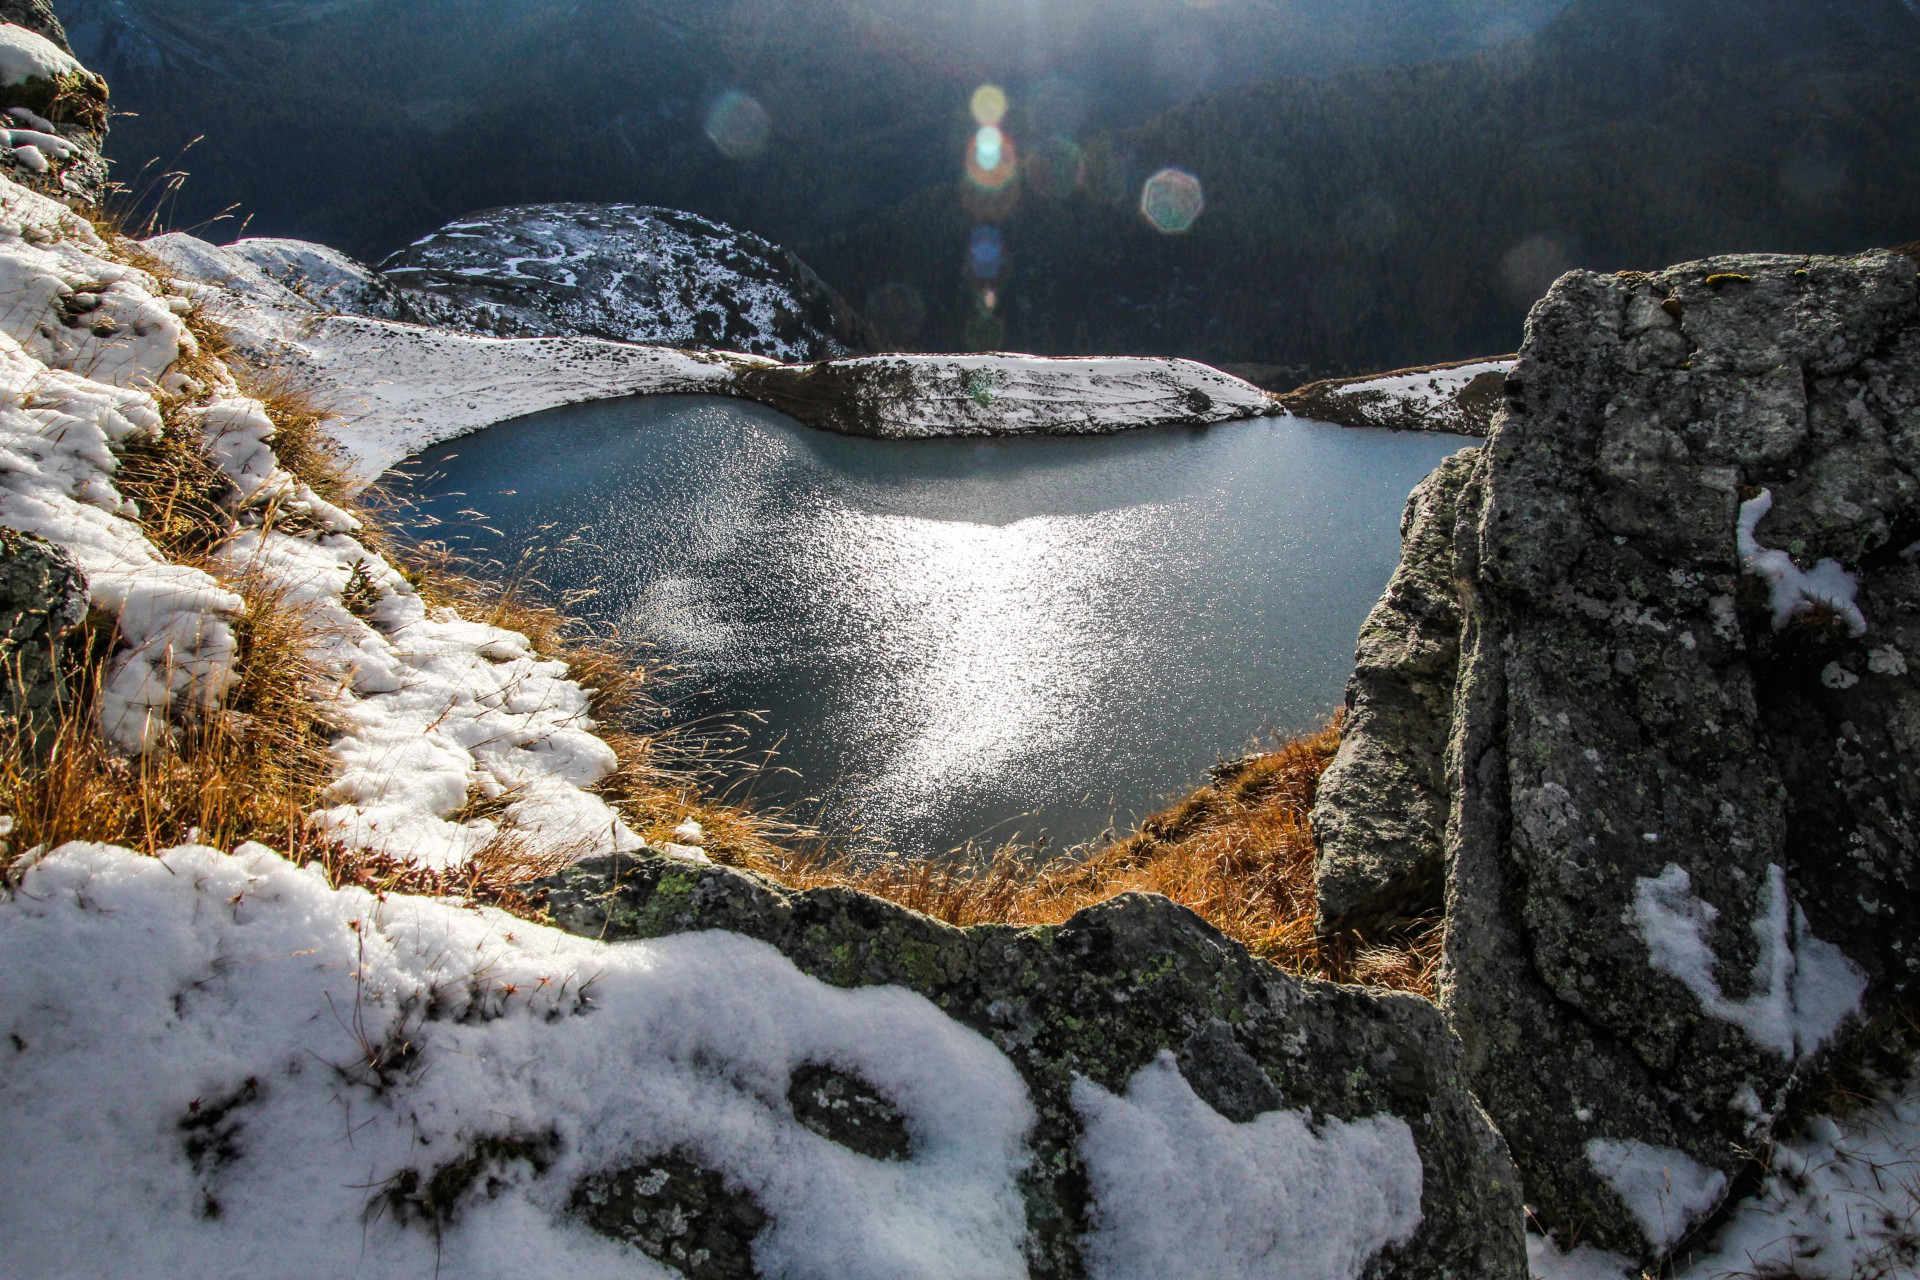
x=1434, y=387
x=1665, y=1190
x=1803, y=988
x=28, y=55
x=1795, y=590
x=239, y=994
x=1180, y=1190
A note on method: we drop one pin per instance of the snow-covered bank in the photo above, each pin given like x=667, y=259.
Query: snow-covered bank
x=435, y=709
x=400, y=387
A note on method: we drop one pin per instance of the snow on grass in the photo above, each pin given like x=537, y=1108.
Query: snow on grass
x=1180, y=1190
x=1803, y=988
x=1840, y=1203
x=216, y=1065
x=83, y=340
x=437, y=710
x=1432, y=386
x=1795, y=590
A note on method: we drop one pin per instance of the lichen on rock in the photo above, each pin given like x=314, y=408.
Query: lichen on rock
x=1091, y=1003
x=1680, y=838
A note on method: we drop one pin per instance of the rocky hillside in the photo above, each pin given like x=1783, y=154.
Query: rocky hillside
x=628, y=273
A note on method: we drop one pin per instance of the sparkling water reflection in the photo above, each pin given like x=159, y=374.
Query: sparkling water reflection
x=955, y=639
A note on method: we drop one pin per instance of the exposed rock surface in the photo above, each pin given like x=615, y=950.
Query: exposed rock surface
x=1381, y=811
x=43, y=596
x=1099, y=999
x=911, y=396
x=630, y=273
x=1461, y=397
x=1681, y=849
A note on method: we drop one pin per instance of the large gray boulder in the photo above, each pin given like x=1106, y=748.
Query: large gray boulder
x=1133, y=989
x=629, y=273
x=43, y=596
x=1681, y=853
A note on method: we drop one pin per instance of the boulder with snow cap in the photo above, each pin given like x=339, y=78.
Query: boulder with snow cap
x=1196, y=1107
x=1683, y=828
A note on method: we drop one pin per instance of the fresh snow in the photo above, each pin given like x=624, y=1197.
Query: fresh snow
x=28, y=55
x=924, y=396
x=1803, y=988
x=434, y=709
x=1664, y=1189
x=1795, y=590
x=189, y=1091
x=1435, y=386
x=1180, y=1190
x=1838, y=1204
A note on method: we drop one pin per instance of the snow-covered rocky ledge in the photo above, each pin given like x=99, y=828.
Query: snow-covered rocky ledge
x=434, y=707
x=400, y=387
x=1460, y=397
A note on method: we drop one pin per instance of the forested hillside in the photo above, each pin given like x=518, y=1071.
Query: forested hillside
x=365, y=123
x=1392, y=216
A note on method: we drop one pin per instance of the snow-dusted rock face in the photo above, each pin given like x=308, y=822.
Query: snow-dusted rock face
x=1668, y=774
x=631, y=273
x=920, y=396
x=1461, y=398
x=1195, y=1112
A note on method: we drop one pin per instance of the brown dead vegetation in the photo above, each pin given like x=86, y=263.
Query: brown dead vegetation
x=1238, y=851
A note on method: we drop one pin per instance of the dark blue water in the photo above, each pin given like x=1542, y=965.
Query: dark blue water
x=957, y=639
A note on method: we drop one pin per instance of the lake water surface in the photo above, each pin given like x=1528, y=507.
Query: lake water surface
x=957, y=639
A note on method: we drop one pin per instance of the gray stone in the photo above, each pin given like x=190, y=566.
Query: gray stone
x=1681, y=848
x=1380, y=814
x=72, y=107
x=845, y=1109
x=1099, y=997
x=631, y=273
x=36, y=16
x=677, y=1212
x=43, y=597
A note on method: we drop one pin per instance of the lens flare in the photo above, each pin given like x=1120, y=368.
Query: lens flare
x=990, y=159
x=738, y=126
x=984, y=252
x=989, y=104
x=1055, y=168
x=1172, y=200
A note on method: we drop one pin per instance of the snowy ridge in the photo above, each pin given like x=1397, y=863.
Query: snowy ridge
x=435, y=709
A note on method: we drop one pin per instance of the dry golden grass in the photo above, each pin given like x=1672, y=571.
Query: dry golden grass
x=250, y=768
x=1237, y=851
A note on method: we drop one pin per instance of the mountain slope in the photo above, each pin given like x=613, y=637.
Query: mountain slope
x=1392, y=216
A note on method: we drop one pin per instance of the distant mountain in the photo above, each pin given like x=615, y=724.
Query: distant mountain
x=1409, y=214
x=366, y=123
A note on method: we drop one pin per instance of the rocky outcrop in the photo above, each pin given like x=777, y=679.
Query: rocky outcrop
x=1380, y=815
x=921, y=396
x=53, y=111
x=629, y=273
x=1132, y=990
x=1461, y=397
x=1681, y=846
x=43, y=596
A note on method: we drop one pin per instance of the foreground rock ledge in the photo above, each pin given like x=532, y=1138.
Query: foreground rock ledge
x=1643, y=689
x=1099, y=998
